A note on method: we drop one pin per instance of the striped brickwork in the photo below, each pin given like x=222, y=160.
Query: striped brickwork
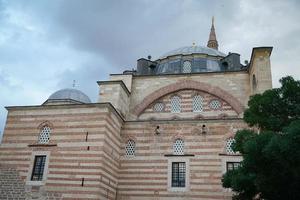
x=84, y=149
x=186, y=104
x=145, y=175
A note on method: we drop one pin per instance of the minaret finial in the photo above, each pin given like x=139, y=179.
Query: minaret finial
x=212, y=41
x=74, y=81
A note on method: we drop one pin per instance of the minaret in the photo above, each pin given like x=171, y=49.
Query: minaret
x=212, y=41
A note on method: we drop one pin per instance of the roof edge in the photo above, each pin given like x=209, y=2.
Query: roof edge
x=85, y=105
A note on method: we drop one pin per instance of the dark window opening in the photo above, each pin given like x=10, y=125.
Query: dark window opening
x=232, y=165
x=38, y=168
x=178, y=174
x=254, y=82
x=225, y=66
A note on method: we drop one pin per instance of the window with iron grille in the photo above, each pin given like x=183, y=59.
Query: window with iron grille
x=215, y=104
x=130, y=148
x=159, y=107
x=232, y=165
x=197, y=103
x=187, y=66
x=175, y=104
x=38, y=168
x=178, y=147
x=229, y=144
x=44, y=135
x=178, y=174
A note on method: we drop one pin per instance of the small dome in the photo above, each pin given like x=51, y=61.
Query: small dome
x=193, y=50
x=70, y=94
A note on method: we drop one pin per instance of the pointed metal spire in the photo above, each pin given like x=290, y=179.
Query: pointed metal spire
x=212, y=41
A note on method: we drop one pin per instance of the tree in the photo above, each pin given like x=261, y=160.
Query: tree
x=271, y=159
x=275, y=108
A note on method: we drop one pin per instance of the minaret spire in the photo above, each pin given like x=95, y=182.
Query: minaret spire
x=212, y=41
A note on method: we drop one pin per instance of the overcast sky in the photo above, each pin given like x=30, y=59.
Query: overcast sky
x=45, y=45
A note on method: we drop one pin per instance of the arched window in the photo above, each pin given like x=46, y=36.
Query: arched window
x=175, y=104
x=178, y=147
x=44, y=135
x=228, y=146
x=197, y=103
x=187, y=66
x=225, y=66
x=130, y=148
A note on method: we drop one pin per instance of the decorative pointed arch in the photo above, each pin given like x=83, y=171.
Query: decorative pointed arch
x=189, y=84
x=45, y=123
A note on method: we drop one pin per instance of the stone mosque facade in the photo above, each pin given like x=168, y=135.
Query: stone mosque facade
x=162, y=131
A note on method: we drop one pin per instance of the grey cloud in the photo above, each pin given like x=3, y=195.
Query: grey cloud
x=45, y=45
x=123, y=31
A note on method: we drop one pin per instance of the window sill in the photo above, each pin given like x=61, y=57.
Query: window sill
x=225, y=154
x=174, y=155
x=35, y=183
x=178, y=189
x=42, y=145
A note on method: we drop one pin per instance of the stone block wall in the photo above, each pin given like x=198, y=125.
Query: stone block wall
x=260, y=77
x=116, y=93
x=11, y=185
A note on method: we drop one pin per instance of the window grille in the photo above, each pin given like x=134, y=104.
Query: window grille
x=158, y=107
x=178, y=174
x=44, y=135
x=215, y=104
x=197, y=103
x=229, y=143
x=38, y=168
x=130, y=148
x=232, y=165
x=175, y=104
x=187, y=67
x=178, y=147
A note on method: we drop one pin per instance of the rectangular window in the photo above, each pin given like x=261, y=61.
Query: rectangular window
x=232, y=165
x=178, y=174
x=38, y=168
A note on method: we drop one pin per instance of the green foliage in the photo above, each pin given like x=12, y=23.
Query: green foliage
x=276, y=108
x=270, y=168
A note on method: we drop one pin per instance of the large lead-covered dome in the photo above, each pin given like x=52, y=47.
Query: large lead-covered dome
x=192, y=59
x=68, y=94
x=188, y=50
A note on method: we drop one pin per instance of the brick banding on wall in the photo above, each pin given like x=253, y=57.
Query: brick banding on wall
x=188, y=84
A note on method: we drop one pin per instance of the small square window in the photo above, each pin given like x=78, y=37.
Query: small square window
x=232, y=165
x=178, y=174
x=38, y=168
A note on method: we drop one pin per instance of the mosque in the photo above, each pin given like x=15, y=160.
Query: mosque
x=160, y=131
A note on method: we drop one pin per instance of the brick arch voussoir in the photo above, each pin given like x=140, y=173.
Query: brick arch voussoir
x=45, y=123
x=188, y=84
